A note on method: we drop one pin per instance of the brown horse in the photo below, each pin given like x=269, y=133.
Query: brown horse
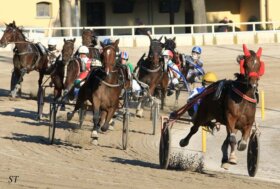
x=151, y=71
x=170, y=44
x=103, y=88
x=235, y=107
x=27, y=57
x=58, y=71
x=90, y=40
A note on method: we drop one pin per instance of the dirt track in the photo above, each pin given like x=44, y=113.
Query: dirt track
x=74, y=163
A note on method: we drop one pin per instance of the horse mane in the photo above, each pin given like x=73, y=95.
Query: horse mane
x=20, y=29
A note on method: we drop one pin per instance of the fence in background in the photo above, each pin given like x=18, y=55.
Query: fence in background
x=237, y=33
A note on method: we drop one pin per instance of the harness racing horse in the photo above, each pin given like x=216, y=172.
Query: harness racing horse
x=58, y=72
x=103, y=88
x=235, y=108
x=90, y=40
x=178, y=60
x=27, y=57
x=152, y=72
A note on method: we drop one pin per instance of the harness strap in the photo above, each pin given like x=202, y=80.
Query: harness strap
x=149, y=70
x=108, y=84
x=244, y=96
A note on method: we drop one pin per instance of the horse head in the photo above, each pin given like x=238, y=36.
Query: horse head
x=170, y=44
x=88, y=38
x=11, y=34
x=251, y=67
x=155, y=50
x=108, y=56
x=67, y=50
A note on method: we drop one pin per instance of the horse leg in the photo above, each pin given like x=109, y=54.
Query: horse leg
x=224, y=149
x=163, y=95
x=177, y=93
x=242, y=144
x=17, y=78
x=139, y=110
x=110, y=114
x=79, y=104
x=185, y=141
x=96, y=118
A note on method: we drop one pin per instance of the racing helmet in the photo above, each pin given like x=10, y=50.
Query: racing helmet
x=52, y=42
x=167, y=53
x=83, y=49
x=107, y=41
x=209, y=77
x=124, y=55
x=197, y=49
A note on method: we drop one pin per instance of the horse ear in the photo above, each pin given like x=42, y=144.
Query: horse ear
x=149, y=37
x=259, y=52
x=74, y=40
x=165, y=38
x=246, y=51
x=101, y=44
x=174, y=38
x=64, y=40
x=241, y=64
x=160, y=38
x=6, y=24
x=116, y=43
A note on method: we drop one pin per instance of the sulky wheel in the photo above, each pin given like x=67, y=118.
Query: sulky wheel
x=125, y=130
x=155, y=112
x=40, y=102
x=253, y=154
x=52, y=125
x=165, y=146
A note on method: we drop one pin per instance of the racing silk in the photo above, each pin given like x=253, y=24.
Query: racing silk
x=195, y=92
x=195, y=69
x=173, y=73
x=85, y=68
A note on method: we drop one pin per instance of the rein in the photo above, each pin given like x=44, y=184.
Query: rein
x=242, y=95
x=151, y=70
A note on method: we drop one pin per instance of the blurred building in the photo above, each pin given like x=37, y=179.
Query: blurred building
x=45, y=13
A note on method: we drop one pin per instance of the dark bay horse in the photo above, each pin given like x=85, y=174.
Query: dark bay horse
x=170, y=44
x=236, y=106
x=27, y=57
x=89, y=40
x=58, y=70
x=103, y=88
x=151, y=71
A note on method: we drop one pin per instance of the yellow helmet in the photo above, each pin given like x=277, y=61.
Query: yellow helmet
x=210, y=77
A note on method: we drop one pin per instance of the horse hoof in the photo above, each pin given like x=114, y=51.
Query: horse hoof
x=104, y=129
x=183, y=143
x=62, y=108
x=139, y=113
x=69, y=116
x=94, y=135
x=94, y=142
x=242, y=145
x=225, y=166
x=232, y=161
x=111, y=128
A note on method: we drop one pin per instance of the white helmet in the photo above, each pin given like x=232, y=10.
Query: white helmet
x=52, y=41
x=83, y=49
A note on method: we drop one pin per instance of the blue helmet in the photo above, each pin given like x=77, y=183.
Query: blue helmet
x=124, y=55
x=197, y=49
x=107, y=41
